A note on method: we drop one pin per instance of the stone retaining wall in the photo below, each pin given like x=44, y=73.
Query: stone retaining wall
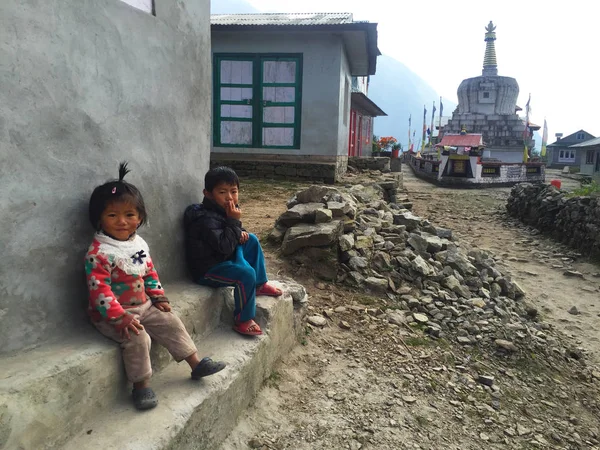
x=375, y=163
x=324, y=172
x=572, y=220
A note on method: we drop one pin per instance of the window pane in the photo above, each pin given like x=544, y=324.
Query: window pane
x=278, y=114
x=279, y=71
x=236, y=133
x=280, y=137
x=236, y=94
x=279, y=94
x=236, y=72
x=241, y=111
x=144, y=5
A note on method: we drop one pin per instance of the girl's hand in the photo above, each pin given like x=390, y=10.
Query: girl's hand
x=134, y=326
x=163, y=306
x=244, y=237
x=233, y=211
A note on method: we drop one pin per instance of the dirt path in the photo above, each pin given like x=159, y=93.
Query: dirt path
x=537, y=263
x=364, y=383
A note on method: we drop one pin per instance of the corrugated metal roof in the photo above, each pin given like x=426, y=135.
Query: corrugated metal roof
x=462, y=140
x=282, y=19
x=589, y=143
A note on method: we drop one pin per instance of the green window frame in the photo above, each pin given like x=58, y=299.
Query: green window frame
x=261, y=105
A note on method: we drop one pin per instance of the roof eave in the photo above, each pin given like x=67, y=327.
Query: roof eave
x=370, y=51
x=366, y=104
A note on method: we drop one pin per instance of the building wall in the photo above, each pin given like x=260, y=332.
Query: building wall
x=322, y=86
x=86, y=84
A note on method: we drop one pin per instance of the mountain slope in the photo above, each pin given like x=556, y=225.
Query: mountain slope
x=400, y=92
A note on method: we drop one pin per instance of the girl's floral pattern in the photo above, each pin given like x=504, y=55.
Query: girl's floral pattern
x=103, y=304
x=112, y=291
x=93, y=284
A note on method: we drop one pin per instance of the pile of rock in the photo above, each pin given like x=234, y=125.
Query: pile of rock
x=574, y=221
x=357, y=238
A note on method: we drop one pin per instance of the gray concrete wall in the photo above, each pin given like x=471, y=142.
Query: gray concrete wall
x=345, y=104
x=86, y=84
x=322, y=60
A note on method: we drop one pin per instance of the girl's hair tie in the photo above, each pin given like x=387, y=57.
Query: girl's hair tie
x=114, y=189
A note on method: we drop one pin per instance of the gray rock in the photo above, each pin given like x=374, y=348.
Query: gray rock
x=344, y=325
x=396, y=318
x=301, y=213
x=574, y=311
x=382, y=261
x=323, y=215
x=363, y=242
x=358, y=263
x=356, y=278
x=506, y=345
x=408, y=219
x=338, y=209
x=443, y=233
x=346, y=242
x=297, y=292
x=486, y=380
x=421, y=266
x=408, y=399
x=315, y=194
x=573, y=273
x=495, y=290
x=452, y=283
x=317, y=321
x=306, y=235
x=464, y=340
x=378, y=285
x=417, y=242
x=277, y=233
x=522, y=430
x=420, y=318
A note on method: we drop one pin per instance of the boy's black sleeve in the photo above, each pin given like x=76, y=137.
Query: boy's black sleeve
x=222, y=237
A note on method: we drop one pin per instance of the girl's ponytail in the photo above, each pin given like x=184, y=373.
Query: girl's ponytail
x=123, y=170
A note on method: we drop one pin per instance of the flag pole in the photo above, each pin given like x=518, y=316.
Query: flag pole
x=526, y=132
x=424, y=137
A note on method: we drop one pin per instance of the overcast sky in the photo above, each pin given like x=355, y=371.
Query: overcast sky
x=551, y=48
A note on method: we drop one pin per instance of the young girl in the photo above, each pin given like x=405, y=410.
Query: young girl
x=127, y=301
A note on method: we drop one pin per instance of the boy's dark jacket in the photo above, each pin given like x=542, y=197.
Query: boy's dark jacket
x=210, y=236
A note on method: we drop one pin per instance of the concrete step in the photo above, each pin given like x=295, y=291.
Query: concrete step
x=49, y=394
x=196, y=414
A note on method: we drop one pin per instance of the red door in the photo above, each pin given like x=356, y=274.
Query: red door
x=358, y=145
x=352, y=151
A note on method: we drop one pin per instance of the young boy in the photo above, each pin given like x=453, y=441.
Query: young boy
x=221, y=253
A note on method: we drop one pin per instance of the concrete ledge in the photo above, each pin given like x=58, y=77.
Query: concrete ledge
x=47, y=393
x=197, y=415
x=51, y=394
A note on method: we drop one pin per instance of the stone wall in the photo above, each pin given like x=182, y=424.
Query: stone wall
x=574, y=221
x=85, y=85
x=504, y=174
x=375, y=163
x=284, y=170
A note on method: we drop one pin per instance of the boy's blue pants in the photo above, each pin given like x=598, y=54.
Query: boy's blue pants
x=244, y=272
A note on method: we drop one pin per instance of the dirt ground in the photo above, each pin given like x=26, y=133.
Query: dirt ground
x=376, y=386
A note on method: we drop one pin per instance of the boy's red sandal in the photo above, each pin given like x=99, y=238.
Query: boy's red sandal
x=268, y=289
x=248, y=328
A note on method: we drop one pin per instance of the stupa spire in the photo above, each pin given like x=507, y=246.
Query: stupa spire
x=490, y=66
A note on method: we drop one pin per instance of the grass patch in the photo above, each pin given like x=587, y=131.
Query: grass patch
x=530, y=364
x=589, y=189
x=367, y=300
x=274, y=379
x=422, y=421
x=418, y=341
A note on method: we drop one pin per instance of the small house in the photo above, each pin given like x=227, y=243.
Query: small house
x=564, y=153
x=282, y=92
